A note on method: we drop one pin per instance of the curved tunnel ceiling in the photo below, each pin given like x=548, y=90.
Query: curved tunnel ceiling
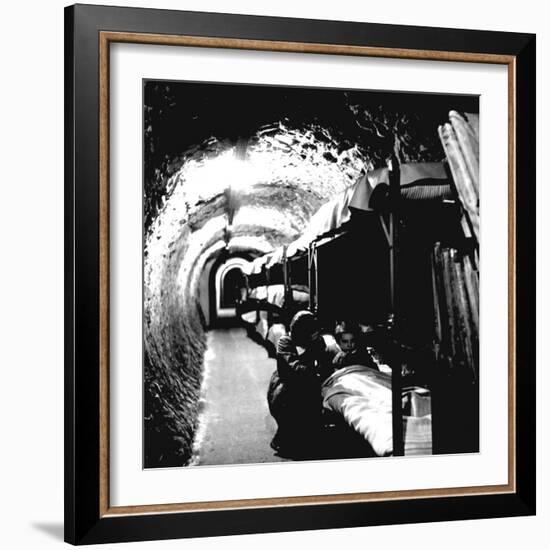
x=270, y=194
x=243, y=169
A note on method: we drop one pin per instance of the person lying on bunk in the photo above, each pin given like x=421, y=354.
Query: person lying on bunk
x=304, y=361
x=348, y=336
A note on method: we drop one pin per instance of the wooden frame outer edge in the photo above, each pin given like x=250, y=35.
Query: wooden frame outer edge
x=104, y=277
x=105, y=39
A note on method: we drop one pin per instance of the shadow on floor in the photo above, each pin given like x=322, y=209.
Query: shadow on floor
x=54, y=530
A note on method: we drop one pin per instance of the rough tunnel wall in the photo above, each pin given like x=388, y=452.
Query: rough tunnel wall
x=174, y=345
x=304, y=161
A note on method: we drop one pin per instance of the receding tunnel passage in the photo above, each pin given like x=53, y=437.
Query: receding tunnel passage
x=229, y=280
x=230, y=289
x=234, y=174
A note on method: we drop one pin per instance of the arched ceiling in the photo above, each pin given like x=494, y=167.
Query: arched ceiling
x=249, y=202
x=257, y=162
x=242, y=169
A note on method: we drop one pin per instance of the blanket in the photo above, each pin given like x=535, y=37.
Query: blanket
x=363, y=397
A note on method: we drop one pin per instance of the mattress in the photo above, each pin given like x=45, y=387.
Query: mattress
x=363, y=397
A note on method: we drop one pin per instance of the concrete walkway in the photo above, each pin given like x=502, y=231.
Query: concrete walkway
x=235, y=426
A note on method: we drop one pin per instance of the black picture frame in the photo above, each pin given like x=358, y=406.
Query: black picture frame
x=88, y=518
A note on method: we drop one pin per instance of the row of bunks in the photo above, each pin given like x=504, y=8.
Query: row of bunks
x=397, y=254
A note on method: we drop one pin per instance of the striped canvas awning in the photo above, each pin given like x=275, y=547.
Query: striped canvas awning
x=419, y=181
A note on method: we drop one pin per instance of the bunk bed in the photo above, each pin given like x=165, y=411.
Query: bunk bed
x=363, y=398
x=410, y=217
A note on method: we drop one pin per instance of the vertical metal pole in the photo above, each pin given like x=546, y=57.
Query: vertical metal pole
x=267, y=284
x=258, y=302
x=309, y=277
x=312, y=277
x=397, y=412
x=286, y=280
x=392, y=259
x=316, y=280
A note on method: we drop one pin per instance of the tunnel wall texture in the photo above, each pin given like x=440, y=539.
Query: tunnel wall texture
x=298, y=164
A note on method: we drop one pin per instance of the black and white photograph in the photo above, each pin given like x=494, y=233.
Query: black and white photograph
x=310, y=274
x=276, y=275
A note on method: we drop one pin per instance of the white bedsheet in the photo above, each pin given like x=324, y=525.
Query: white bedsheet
x=363, y=397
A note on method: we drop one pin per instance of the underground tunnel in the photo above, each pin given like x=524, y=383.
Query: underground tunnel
x=232, y=172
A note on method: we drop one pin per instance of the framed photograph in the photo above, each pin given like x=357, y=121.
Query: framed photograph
x=299, y=274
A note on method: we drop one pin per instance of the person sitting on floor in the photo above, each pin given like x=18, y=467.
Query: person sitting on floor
x=304, y=361
x=348, y=336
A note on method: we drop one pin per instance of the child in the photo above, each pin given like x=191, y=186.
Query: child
x=348, y=338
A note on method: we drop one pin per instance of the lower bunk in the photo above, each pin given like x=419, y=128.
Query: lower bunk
x=362, y=397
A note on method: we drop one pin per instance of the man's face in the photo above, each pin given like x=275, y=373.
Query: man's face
x=347, y=342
